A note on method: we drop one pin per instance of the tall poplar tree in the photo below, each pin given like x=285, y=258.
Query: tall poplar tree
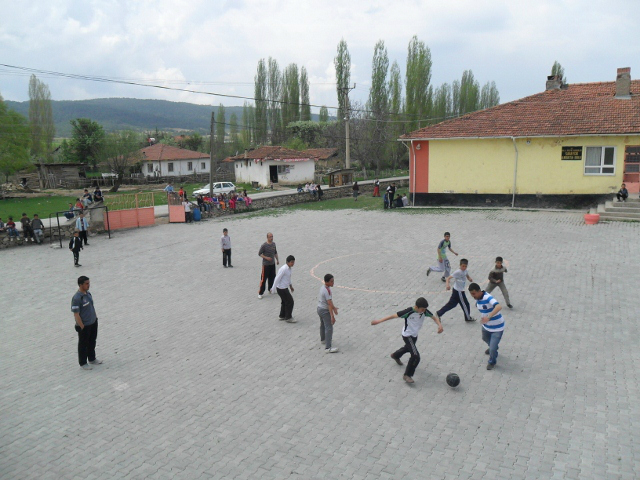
x=342, y=63
x=489, y=96
x=221, y=132
x=274, y=92
x=234, y=136
x=378, y=105
x=395, y=109
x=558, y=71
x=305, y=107
x=418, y=96
x=469, y=93
x=291, y=97
x=248, y=117
x=260, y=95
x=323, y=116
x=40, y=119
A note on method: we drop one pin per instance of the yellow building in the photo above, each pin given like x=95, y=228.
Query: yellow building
x=569, y=146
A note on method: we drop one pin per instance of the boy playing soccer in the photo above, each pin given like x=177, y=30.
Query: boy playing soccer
x=413, y=320
x=496, y=279
x=492, y=322
x=443, y=262
x=458, y=296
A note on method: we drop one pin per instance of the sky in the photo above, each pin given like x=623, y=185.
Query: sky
x=214, y=46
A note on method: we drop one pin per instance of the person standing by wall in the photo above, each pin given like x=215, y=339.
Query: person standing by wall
x=86, y=319
x=376, y=187
x=82, y=225
x=391, y=191
x=281, y=285
x=356, y=190
x=38, y=228
x=225, y=246
x=269, y=254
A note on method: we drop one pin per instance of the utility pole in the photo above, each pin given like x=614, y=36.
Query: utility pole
x=347, y=153
x=211, y=161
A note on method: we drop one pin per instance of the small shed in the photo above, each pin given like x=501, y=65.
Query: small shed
x=341, y=176
x=54, y=175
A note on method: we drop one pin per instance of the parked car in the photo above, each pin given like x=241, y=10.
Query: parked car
x=218, y=187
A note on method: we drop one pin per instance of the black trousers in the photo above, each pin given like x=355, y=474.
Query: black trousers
x=286, y=304
x=457, y=298
x=87, y=342
x=620, y=196
x=226, y=256
x=391, y=195
x=83, y=236
x=409, y=347
x=76, y=257
x=268, y=275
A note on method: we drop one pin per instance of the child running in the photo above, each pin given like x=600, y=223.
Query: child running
x=496, y=279
x=443, y=262
x=413, y=320
x=458, y=296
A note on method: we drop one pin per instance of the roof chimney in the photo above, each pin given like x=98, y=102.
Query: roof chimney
x=554, y=82
x=623, y=83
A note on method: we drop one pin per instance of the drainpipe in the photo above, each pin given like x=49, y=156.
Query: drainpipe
x=515, y=173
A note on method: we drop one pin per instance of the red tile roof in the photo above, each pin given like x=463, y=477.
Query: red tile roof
x=271, y=153
x=580, y=109
x=321, y=153
x=160, y=151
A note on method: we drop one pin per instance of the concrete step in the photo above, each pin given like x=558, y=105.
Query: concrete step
x=633, y=198
x=619, y=214
x=610, y=218
x=630, y=205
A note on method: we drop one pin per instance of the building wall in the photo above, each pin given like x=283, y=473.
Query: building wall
x=180, y=167
x=248, y=171
x=487, y=166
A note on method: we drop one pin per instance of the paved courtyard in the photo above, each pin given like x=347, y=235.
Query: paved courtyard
x=200, y=380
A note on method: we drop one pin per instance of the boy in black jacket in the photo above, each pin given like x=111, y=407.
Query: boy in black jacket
x=75, y=245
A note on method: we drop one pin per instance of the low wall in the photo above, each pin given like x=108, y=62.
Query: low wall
x=498, y=200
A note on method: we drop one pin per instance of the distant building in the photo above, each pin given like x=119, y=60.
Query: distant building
x=166, y=161
x=571, y=145
x=274, y=164
x=327, y=158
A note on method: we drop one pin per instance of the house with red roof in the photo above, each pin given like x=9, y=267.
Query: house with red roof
x=571, y=145
x=273, y=164
x=167, y=161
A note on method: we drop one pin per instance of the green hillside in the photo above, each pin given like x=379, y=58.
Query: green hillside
x=131, y=113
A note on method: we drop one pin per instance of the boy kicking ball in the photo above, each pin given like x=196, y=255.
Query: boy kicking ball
x=413, y=320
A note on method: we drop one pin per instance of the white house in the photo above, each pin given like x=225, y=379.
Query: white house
x=167, y=161
x=266, y=165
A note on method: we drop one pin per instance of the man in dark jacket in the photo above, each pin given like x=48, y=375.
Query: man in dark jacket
x=75, y=245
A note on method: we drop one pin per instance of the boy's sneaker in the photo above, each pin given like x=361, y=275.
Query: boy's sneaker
x=259, y=296
x=95, y=362
x=280, y=318
x=491, y=366
x=509, y=305
x=86, y=366
x=408, y=379
x=398, y=361
x=443, y=279
x=330, y=350
x=471, y=319
x=486, y=352
x=428, y=271
x=291, y=320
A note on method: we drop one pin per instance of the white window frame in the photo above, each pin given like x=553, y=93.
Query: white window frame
x=602, y=166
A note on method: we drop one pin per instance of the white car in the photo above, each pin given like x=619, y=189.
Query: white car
x=218, y=187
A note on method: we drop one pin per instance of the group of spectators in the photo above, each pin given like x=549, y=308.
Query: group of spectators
x=313, y=189
x=32, y=229
x=83, y=203
x=207, y=203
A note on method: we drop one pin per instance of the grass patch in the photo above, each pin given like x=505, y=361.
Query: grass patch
x=43, y=206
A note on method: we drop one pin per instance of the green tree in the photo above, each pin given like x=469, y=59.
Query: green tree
x=248, y=118
x=342, y=63
x=194, y=141
x=378, y=105
x=442, y=105
x=309, y=132
x=469, y=93
x=558, y=71
x=396, y=151
x=121, y=150
x=234, y=132
x=323, y=116
x=86, y=140
x=274, y=92
x=221, y=131
x=261, y=120
x=40, y=119
x=291, y=95
x=419, y=93
x=489, y=95
x=14, y=141
x=305, y=108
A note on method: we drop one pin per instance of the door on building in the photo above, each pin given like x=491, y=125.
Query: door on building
x=273, y=173
x=631, y=175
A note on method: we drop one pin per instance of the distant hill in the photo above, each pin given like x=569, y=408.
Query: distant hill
x=132, y=113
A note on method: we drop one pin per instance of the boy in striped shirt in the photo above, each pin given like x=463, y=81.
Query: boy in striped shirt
x=492, y=321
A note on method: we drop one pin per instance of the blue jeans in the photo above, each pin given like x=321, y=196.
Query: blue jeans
x=493, y=340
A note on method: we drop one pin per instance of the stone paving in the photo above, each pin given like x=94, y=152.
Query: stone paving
x=201, y=380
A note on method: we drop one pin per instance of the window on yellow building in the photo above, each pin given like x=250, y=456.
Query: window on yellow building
x=600, y=161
